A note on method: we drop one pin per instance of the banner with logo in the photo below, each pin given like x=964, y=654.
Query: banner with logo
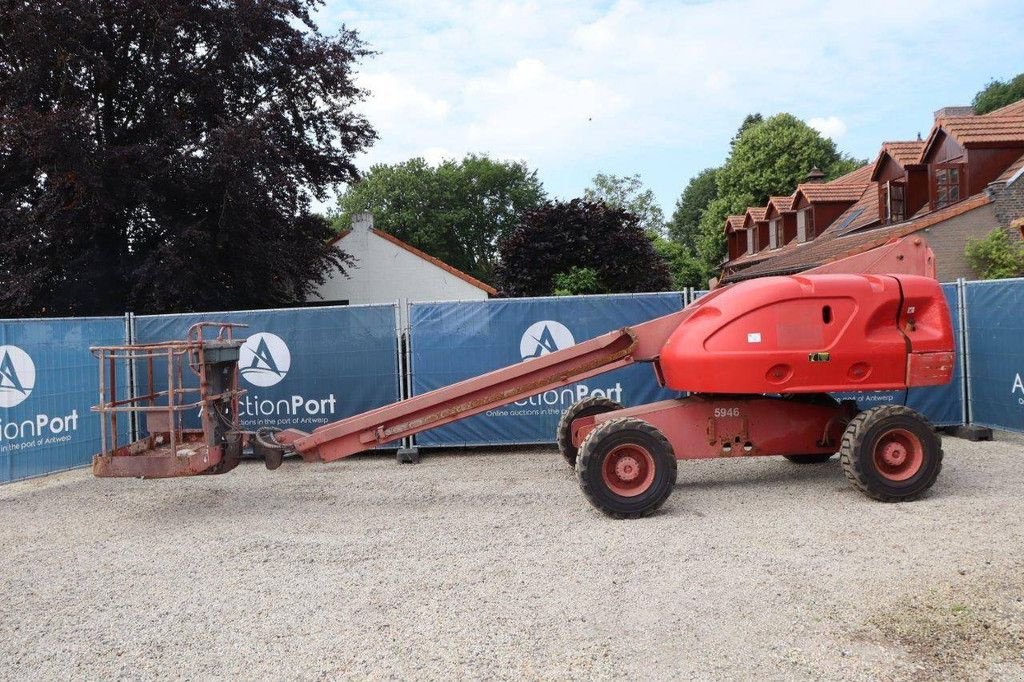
x=48, y=382
x=458, y=340
x=942, y=405
x=301, y=367
x=995, y=348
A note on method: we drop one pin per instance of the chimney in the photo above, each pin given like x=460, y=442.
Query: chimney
x=815, y=175
x=362, y=222
x=954, y=112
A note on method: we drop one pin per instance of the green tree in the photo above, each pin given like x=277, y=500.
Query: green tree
x=684, y=227
x=559, y=242
x=711, y=242
x=160, y=156
x=750, y=121
x=456, y=211
x=628, y=193
x=773, y=156
x=682, y=261
x=577, y=281
x=769, y=157
x=998, y=94
x=996, y=256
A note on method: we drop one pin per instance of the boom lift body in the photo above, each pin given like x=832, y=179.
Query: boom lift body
x=758, y=360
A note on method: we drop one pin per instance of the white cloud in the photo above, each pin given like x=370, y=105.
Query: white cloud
x=435, y=155
x=606, y=31
x=393, y=98
x=526, y=109
x=577, y=87
x=831, y=127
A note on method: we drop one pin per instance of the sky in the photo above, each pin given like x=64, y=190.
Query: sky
x=659, y=88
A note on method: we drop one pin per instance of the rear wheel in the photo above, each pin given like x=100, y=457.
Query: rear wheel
x=891, y=453
x=588, y=407
x=626, y=468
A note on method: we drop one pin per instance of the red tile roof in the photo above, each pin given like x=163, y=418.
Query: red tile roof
x=425, y=256
x=862, y=214
x=756, y=213
x=734, y=222
x=858, y=176
x=848, y=187
x=750, y=258
x=905, y=152
x=781, y=204
x=821, y=251
x=1014, y=109
x=988, y=129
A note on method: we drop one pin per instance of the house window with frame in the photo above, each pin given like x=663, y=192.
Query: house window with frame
x=773, y=234
x=805, y=225
x=750, y=240
x=948, y=178
x=895, y=202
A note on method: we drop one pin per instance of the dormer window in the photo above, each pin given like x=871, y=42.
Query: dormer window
x=948, y=181
x=750, y=240
x=775, y=233
x=805, y=224
x=895, y=202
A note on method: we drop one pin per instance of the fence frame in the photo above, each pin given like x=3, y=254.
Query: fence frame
x=405, y=358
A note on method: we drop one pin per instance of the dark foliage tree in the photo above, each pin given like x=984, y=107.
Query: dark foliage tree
x=455, y=211
x=560, y=239
x=161, y=155
x=998, y=94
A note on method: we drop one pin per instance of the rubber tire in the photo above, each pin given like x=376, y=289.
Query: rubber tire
x=587, y=407
x=857, y=453
x=596, y=447
x=812, y=399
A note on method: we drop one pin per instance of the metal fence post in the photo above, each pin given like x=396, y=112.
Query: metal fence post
x=405, y=353
x=129, y=338
x=965, y=348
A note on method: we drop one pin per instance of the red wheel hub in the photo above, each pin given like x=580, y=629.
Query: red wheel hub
x=898, y=455
x=628, y=470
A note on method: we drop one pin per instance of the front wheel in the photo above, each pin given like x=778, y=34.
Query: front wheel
x=588, y=407
x=891, y=453
x=626, y=468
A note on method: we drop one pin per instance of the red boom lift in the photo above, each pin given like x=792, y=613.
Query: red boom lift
x=758, y=360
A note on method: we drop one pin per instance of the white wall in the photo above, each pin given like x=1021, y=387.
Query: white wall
x=384, y=272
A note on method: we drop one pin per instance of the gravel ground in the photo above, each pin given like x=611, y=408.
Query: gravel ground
x=492, y=564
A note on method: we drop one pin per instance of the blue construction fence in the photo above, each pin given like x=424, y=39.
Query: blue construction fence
x=454, y=341
x=307, y=366
x=301, y=367
x=49, y=382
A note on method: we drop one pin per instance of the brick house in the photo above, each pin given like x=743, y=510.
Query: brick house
x=963, y=181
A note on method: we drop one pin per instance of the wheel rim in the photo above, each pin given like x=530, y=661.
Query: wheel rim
x=899, y=454
x=628, y=470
